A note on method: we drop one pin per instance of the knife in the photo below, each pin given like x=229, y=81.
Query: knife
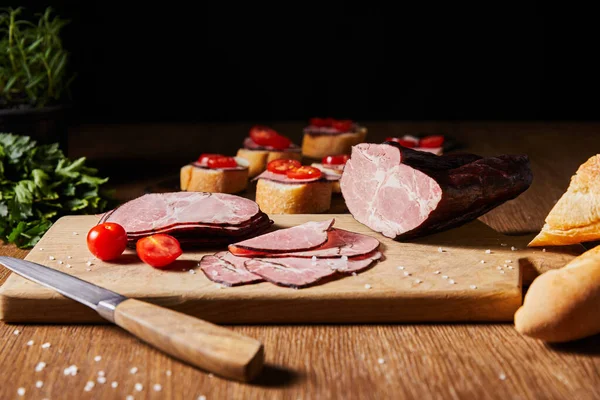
x=197, y=342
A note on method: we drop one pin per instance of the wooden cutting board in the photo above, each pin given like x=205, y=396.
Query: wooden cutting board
x=464, y=289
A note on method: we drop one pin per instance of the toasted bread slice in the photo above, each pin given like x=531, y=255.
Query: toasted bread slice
x=195, y=179
x=319, y=146
x=259, y=159
x=291, y=198
x=575, y=218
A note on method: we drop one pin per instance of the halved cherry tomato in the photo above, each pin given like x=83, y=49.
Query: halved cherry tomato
x=342, y=125
x=265, y=136
x=335, y=160
x=107, y=241
x=282, y=166
x=221, y=162
x=158, y=250
x=432, y=141
x=205, y=156
x=402, y=142
x=304, y=172
x=279, y=142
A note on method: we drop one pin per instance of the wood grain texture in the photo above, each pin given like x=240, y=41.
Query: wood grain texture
x=444, y=290
x=210, y=347
x=425, y=361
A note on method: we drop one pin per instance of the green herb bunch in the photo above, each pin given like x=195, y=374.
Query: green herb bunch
x=38, y=184
x=33, y=62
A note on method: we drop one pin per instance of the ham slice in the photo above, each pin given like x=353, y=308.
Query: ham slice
x=301, y=272
x=281, y=178
x=224, y=268
x=156, y=211
x=307, y=236
x=339, y=243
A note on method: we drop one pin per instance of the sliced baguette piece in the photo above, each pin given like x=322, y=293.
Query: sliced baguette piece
x=195, y=179
x=563, y=304
x=288, y=198
x=575, y=218
x=319, y=146
x=259, y=159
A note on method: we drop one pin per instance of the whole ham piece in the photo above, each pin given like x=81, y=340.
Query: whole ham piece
x=404, y=193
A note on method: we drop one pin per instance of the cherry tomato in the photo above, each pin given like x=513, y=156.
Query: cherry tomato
x=282, y=166
x=279, y=142
x=158, y=250
x=107, y=241
x=262, y=134
x=221, y=162
x=335, y=160
x=402, y=142
x=304, y=172
x=203, y=159
x=432, y=141
x=342, y=125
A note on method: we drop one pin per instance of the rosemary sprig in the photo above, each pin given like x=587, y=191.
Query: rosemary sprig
x=33, y=62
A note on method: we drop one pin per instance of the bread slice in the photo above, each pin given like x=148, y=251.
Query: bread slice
x=291, y=198
x=259, y=159
x=195, y=179
x=575, y=218
x=319, y=146
x=562, y=304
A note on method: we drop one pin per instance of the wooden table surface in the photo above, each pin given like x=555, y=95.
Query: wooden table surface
x=320, y=361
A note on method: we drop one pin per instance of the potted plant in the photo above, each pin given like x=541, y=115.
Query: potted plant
x=34, y=77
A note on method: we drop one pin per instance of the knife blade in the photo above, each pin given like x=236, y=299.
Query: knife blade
x=197, y=342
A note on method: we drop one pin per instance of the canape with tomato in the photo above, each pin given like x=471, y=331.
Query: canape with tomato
x=263, y=145
x=288, y=187
x=325, y=136
x=215, y=173
x=333, y=167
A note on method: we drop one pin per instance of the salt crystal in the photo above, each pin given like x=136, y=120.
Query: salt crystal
x=101, y=373
x=418, y=281
x=440, y=250
x=89, y=263
x=39, y=384
x=97, y=358
x=139, y=387
x=488, y=251
x=400, y=267
x=214, y=273
x=406, y=273
x=502, y=271
x=502, y=376
x=510, y=267
x=367, y=286
x=133, y=370
x=130, y=397
x=101, y=379
x=354, y=274
x=51, y=258
x=211, y=375
x=41, y=248
x=437, y=272
x=75, y=233
x=21, y=391
x=114, y=384
x=503, y=244
x=344, y=258
x=508, y=261
x=380, y=360
x=444, y=276
x=451, y=281
x=482, y=261
x=89, y=386
x=201, y=397
x=60, y=262
x=314, y=260
x=505, y=266
x=46, y=345
x=40, y=366
x=68, y=265
x=498, y=267
x=191, y=271
x=473, y=287
x=30, y=343
x=544, y=250
x=513, y=248
x=69, y=257
x=157, y=387
x=168, y=372
x=16, y=332
x=72, y=370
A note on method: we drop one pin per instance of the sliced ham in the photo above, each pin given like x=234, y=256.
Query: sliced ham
x=307, y=236
x=155, y=211
x=339, y=243
x=230, y=272
x=300, y=272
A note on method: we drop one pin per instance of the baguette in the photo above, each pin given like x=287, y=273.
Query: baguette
x=299, y=198
x=319, y=146
x=195, y=179
x=259, y=159
x=575, y=218
x=563, y=304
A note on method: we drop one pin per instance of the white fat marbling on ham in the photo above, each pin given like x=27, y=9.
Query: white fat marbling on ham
x=395, y=199
x=158, y=210
x=227, y=269
x=302, y=237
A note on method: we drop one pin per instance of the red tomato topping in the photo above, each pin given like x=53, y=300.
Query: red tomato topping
x=342, y=125
x=107, y=241
x=335, y=160
x=321, y=122
x=221, y=162
x=402, y=142
x=304, y=172
x=282, y=166
x=432, y=141
x=158, y=250
x=203, y=159
x=265, y=136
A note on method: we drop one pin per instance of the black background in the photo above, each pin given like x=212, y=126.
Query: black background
x=223, y=61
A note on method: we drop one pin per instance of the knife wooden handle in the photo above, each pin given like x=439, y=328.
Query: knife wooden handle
x=207, y=346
